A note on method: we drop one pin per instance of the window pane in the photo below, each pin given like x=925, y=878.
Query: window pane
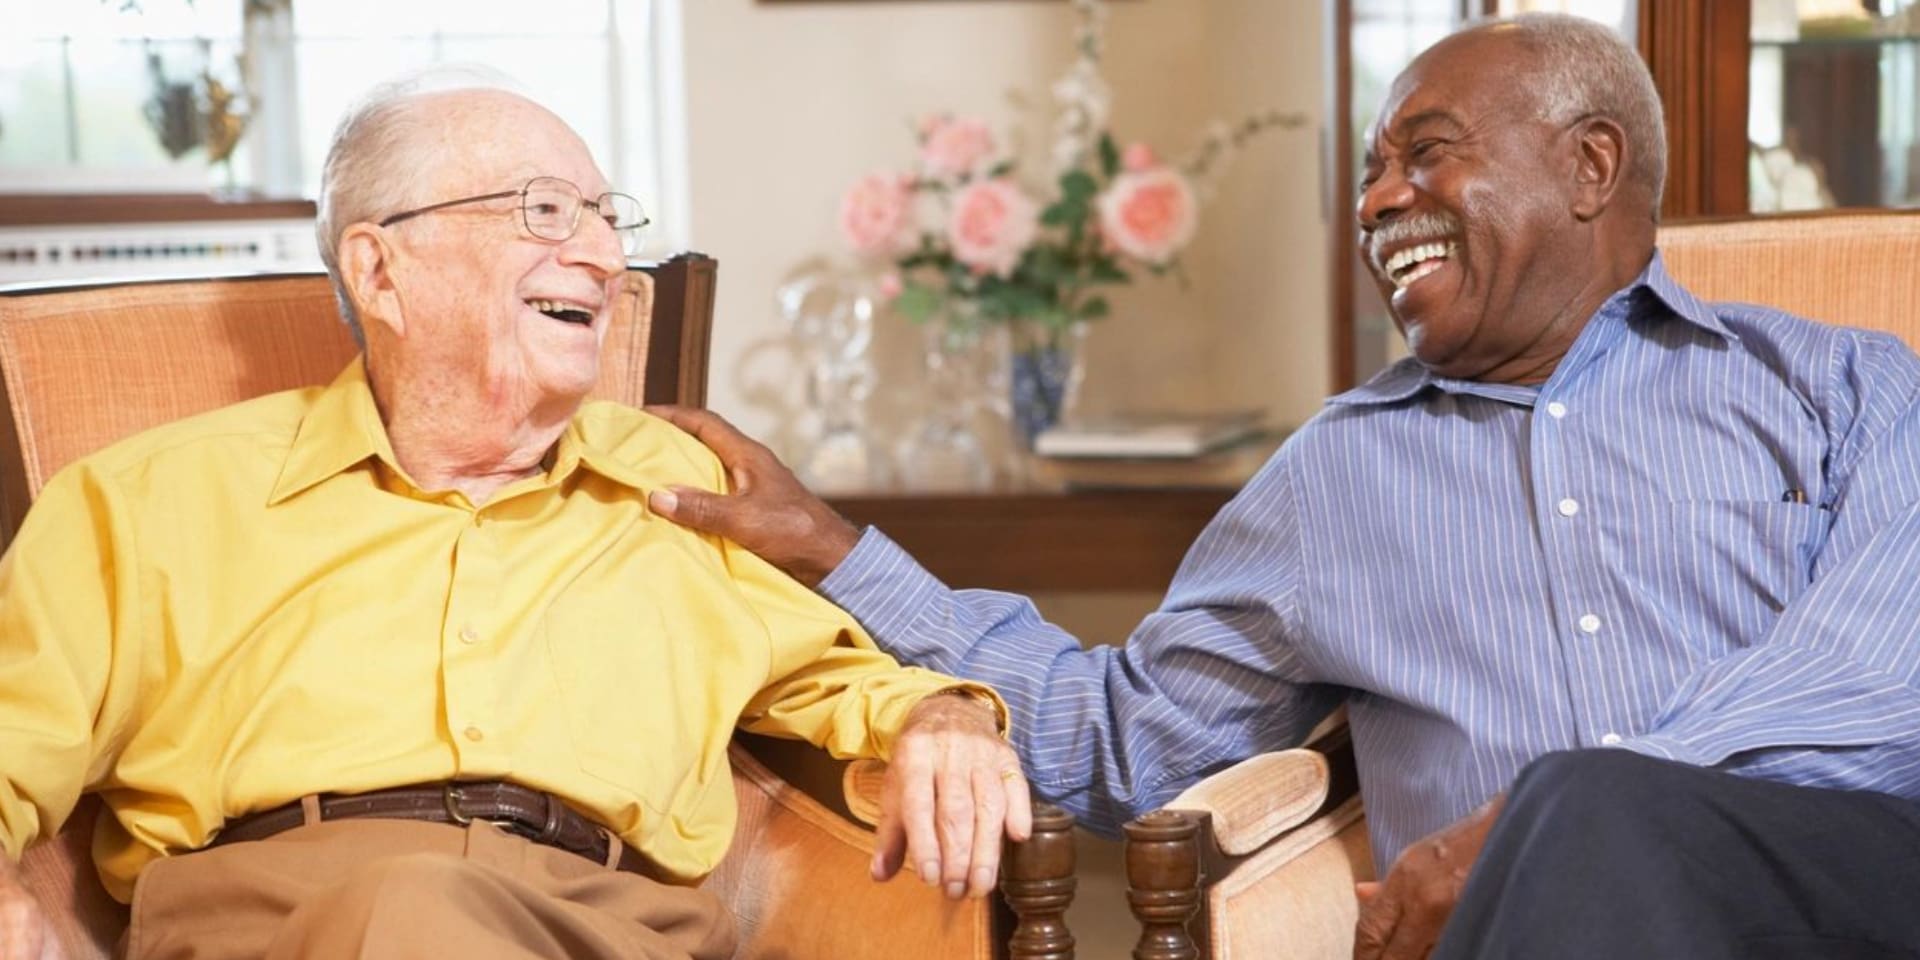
x=354, y=18
x=111, y=134
x=567, y=75
x=33, y=105
x=366, y=18
x=111, y=18
x=333, y=74
x=509, y=18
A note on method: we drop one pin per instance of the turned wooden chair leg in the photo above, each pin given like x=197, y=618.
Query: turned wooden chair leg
x=1163, y=883
x=1037, y=882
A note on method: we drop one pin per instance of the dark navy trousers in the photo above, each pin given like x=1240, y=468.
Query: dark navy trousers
x=1611, y=855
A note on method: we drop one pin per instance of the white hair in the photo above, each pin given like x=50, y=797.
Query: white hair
x=375, y=164
x=1586, y=68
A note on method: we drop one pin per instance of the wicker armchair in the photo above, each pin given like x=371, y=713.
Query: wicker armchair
x=83, y=367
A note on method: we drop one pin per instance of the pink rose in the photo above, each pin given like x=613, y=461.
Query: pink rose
x=956, y=146
x=1138, y=158
x=876, y=216
x=993, y=224
x=889, y=286
x=1149, y=215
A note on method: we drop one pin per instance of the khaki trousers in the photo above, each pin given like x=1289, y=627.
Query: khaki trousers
x=396, y=888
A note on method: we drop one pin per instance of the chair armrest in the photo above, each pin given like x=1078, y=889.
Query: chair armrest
x=861, y=784
x=1260, y=798
x=1258, y=860
x=59, y=872
x=1037, y=880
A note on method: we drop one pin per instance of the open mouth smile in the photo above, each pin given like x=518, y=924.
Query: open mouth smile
x=1409, y=264
x=564, y=311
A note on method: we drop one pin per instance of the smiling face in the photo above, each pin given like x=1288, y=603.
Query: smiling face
x=486, y=307
x=1467, y=212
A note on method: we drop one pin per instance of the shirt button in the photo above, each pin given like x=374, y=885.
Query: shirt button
x=468, y=634
x=1569, y=507
x=1610, y=740
x=1590, y=624
x=474, y=734
x=1556, y=409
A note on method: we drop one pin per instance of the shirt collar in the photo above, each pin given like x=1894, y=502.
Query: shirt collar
x=341, y=430
x=579, y=447
x=1652, y=292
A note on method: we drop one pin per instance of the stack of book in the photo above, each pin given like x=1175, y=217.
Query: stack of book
x=1155, y=451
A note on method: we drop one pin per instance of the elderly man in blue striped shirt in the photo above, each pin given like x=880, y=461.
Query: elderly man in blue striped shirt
x=1616, y=585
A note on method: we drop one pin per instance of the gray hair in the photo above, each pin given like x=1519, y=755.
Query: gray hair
x=1587, y=68
x=374, y=162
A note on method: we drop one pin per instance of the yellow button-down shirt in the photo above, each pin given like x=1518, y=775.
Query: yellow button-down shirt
x=224, y=614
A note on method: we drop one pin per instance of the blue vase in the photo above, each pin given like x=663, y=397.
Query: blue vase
x=1045, y=367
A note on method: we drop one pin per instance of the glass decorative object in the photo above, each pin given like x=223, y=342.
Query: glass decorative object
x=831, y=315
x=944, y=452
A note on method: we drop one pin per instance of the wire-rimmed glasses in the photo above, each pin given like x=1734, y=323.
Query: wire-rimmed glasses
x=550, y=207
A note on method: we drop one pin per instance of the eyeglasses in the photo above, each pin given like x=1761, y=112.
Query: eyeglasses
x=550, y=207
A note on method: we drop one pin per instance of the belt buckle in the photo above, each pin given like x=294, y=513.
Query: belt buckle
x=451, y=796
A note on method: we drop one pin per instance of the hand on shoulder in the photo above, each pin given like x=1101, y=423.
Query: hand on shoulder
x=769, y=511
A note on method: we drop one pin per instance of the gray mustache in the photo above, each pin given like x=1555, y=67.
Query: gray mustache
x=1402, y=230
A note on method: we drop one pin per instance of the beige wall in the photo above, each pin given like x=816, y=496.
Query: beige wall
x=788, y=103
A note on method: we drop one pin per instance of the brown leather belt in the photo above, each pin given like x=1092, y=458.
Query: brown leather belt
x=537, y=816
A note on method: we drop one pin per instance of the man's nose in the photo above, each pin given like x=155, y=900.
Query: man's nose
x=597, y=245
x=1388, y=196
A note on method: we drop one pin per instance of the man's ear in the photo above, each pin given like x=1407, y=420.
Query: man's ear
x=1600, y=158
x=366, y=269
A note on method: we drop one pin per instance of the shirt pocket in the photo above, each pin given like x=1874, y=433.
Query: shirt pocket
x=1733, y=566
x=652, y=673
x=600, y=648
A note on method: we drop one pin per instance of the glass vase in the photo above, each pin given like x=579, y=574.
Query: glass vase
x=832, y=314
x=943, y=453
x=1045, y=365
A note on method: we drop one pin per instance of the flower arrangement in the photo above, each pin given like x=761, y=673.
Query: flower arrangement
x=965, y=239
x=961, y=226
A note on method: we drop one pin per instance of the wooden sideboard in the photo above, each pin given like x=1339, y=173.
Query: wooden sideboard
x=1092, y=541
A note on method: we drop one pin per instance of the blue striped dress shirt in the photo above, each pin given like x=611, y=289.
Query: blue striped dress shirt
x=1698, y=539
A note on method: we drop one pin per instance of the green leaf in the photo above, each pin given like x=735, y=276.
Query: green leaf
x=1109, y=156
x=1104, y=270
x=1051, y=317
x=1045, y=265
x=1060, y=214
x=917, y=302
x=1000, y=169
x=1077, y=187
x=1094, y=308
x=998, y=303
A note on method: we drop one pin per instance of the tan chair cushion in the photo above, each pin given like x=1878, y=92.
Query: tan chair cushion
x=1854, y=268
x=1259, y=798
x=1294, y=899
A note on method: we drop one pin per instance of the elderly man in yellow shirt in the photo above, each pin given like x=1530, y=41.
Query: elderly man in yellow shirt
x=271, y=637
